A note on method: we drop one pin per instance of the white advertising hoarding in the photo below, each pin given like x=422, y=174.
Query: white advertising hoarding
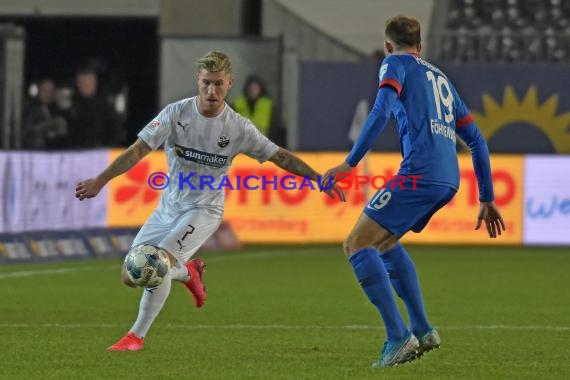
x=37, y=191
x=547, y=200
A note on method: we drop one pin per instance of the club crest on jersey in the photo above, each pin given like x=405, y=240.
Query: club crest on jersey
x=383, y=70
x=223, y=141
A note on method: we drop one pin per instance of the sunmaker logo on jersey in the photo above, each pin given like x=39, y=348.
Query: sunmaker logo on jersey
x=204, y=158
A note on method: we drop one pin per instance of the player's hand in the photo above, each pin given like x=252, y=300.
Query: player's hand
x=335, y=190
x=335, y=174
x=89, y=188
x=489, y=213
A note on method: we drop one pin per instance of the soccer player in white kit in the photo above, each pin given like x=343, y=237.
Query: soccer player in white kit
x=200, y=135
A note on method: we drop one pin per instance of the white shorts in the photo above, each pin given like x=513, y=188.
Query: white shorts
x=181, y=236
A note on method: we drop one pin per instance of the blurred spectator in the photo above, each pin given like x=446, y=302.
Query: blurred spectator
x=92, y=119
x=255, y=105
x=43, y=125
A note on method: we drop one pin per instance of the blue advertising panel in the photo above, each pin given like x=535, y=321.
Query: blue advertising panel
x=519, y=108
x=330, y=94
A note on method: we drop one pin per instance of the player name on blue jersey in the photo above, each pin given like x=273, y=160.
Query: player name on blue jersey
x=441, y=129
x=428, y=65
x=428, y=111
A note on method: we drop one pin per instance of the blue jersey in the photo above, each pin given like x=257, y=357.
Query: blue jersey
x=427, y=112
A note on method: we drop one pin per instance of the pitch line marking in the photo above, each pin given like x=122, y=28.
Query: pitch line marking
x=43, y=272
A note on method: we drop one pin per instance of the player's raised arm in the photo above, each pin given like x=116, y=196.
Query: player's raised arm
x=488, y=212
x=374, y=125
x=89, y=188
x=293, y=164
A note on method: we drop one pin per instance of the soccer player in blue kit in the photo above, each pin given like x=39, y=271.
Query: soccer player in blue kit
x=429, y=113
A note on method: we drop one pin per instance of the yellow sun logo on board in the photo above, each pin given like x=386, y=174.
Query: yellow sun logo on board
x=543, y=116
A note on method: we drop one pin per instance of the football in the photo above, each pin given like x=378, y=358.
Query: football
x=147, y=265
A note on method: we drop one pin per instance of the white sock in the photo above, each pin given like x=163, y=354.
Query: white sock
x=179, y=272
x=152, y=302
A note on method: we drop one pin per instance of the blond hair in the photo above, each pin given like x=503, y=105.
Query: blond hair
x=215, y=61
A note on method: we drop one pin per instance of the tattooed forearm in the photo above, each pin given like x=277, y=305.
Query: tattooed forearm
x=293, y=164
x=125, y=161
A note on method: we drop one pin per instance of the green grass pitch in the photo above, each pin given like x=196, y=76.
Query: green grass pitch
x=291, y=313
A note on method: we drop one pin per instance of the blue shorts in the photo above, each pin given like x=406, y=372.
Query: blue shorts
x=401, y=210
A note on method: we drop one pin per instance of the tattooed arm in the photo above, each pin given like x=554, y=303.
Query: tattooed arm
x=293, y=164
x=126, y=160
x=89, y=188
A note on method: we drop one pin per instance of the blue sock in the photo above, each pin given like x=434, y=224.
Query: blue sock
x=374, y=280
x=404, y=279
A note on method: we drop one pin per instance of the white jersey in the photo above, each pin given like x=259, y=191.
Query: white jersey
x=205, y=146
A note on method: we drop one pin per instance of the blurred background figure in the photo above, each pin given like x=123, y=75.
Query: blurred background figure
x=256, y=105
x=92, y=119
x=43, y=124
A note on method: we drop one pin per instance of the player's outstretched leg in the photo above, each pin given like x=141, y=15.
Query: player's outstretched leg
x=405, y=281
x=152, y=301
x=190, y=274
x=401, y=346
x=194, y=284
x=190, y=232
